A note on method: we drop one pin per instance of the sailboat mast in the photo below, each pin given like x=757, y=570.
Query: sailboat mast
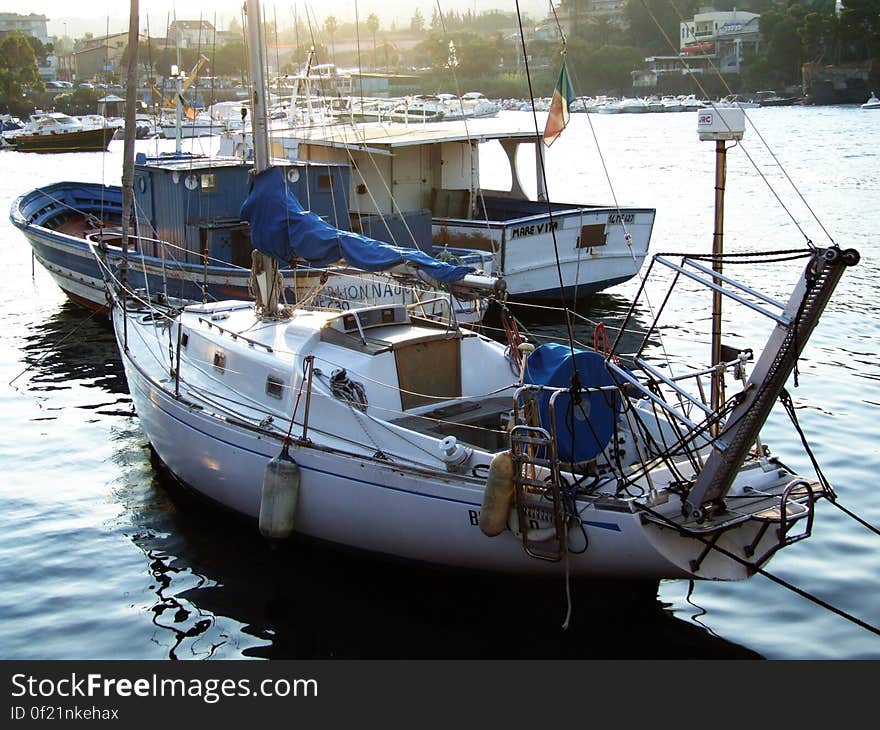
x=259, y=108
x=178, y=111
x=264, y=267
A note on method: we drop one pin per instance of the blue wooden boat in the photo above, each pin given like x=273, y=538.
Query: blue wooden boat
x=193, y=244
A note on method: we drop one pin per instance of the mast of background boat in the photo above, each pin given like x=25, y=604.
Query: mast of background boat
x=265, y=266
x=130, y=131
x=178, y=110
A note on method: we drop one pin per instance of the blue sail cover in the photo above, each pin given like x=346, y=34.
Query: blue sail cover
x=552, y=364
x=282, y=228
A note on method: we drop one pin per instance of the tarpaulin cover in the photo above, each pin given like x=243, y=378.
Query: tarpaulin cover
x=282, y=228
x=552, y=364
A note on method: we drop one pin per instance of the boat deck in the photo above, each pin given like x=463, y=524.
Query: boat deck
x=480, y=423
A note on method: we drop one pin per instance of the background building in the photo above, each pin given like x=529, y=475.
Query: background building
x=710, y=43
x=719, y=37
x=33, y=25
x=191, y=33
x=96, y=56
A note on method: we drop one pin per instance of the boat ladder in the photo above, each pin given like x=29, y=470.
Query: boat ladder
x=537, y=493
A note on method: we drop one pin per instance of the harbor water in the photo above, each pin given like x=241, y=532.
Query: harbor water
x=103, y=555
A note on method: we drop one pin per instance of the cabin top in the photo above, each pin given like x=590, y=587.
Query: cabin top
x=416, y=133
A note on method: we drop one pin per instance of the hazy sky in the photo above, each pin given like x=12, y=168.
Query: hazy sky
x=92, y=15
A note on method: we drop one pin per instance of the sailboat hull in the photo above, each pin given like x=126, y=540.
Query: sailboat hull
x=87, y=140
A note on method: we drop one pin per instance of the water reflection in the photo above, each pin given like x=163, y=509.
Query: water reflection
x=299, y=599
x=73, y=347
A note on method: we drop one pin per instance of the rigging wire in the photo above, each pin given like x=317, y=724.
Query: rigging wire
x=543, y=173
x=751, y=123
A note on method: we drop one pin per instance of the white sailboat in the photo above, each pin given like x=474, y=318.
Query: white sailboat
x=389, y=433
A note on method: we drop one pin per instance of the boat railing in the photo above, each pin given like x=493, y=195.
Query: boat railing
x=451, y=320
x=709, y=275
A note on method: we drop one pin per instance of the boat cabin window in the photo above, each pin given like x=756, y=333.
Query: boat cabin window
x=368, y=317
x=209, y=182
x=220, y=361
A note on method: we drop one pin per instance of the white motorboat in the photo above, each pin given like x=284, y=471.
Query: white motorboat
x=633, y=106
x=57, y=132
x=392, y=434
x=690, y=103
x=672, y=104
x=201, y=125
x=872, y=103
x=735, y=100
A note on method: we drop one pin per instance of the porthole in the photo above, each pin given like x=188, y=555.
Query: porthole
x=220, y=361
x=274, y=387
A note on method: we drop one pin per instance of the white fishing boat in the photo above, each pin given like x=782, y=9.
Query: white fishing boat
x=428, y=176
x=671, y=104
x=392, y=434
x=690, y=103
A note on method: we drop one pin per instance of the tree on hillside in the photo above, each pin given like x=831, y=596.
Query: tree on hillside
x=230, y=59
x=373, y=26
x=331, y=26
x=78, y=101
x=417, y=24
x=860, y=29
x=469, y=54
x=18, y=72
x=601, y=31
x=605, y=69
x=654, y=24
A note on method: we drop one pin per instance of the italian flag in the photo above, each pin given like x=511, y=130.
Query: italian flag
x=563, y=96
